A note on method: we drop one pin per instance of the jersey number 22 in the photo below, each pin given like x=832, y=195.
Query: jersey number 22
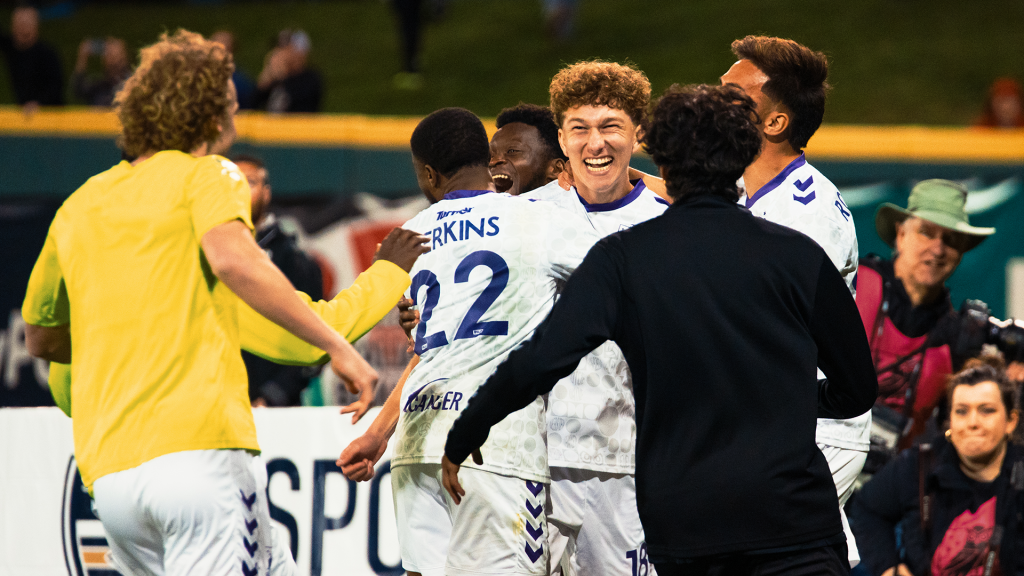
x=470, y=327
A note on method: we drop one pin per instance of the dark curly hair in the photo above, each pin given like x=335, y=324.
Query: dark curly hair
x=451, y=139
x=796, y=78
x=598, y=83
x=703, y=138
x=178, y=97
x=541, y=118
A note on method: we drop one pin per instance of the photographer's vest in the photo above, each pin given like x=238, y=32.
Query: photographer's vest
x=911, y=376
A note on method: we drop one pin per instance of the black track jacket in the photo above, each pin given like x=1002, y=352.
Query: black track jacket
x=722, y=318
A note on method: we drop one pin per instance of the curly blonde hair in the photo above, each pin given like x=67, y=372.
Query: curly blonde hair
x=178, y=96
x=599, y=83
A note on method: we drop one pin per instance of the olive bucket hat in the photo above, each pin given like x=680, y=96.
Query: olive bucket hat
x=938, y=201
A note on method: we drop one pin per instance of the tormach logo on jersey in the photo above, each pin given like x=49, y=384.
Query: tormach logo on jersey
x=446, y=213
x=86, y=552
x=420, y=401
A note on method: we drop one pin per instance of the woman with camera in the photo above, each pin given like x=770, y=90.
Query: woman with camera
x=955, y=507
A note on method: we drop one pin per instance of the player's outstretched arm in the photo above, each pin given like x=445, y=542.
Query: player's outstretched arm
x=237, y=260
x=359, y=457
x=352, y=313
x=582, y=319
x=51, y=343
x=652, y=182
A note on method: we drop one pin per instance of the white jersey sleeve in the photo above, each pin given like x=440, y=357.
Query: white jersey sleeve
x=801, y=198
x=486, y=284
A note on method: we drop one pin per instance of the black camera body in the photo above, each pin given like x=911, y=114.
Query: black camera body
x=978, y=328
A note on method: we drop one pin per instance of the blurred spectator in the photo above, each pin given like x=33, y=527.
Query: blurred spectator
x=287, y=84
x=243, y=82
x=1004, y=107
x=272, y=384
x=912, y=327
x=959, y=503
x=410, y=28
x=412, y=15
x=560, y=18
x=36, y=75
x=99, y=89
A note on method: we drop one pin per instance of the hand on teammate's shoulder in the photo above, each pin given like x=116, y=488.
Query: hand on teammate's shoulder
x=402, y=247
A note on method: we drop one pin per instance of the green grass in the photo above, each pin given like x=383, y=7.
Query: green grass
x=893, y=62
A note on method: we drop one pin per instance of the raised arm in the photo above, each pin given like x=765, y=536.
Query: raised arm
x=851, y=386
x=237, y=260
x=352, y=313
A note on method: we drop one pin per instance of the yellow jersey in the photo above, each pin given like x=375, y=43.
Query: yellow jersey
x=154, y=333
x=352, y=313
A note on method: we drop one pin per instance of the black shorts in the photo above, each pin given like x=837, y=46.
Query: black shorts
x=824, y=561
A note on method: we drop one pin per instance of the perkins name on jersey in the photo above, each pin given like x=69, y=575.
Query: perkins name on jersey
x=458, y=230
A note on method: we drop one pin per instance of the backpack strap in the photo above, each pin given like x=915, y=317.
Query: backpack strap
x=924, y=498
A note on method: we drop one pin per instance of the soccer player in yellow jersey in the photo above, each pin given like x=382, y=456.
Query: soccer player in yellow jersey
x=139, y=281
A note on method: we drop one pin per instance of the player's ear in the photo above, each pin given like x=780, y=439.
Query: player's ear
x=433, y=177
x=776, y=123
x=638, y=135
x=554, y=168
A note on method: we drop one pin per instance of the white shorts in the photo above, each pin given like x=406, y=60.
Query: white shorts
x=497, y=529
x=845, y=465
x=194, y=512
x=594, y=525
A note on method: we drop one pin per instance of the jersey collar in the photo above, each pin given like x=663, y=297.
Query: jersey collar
x=775, y=182
x=614, y=204
x=456, y=194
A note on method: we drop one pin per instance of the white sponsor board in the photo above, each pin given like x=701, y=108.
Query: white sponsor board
x=339, y=527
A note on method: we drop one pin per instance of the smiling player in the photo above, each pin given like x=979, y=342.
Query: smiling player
x=595, y=528
x=525, y=154
x=490, y=281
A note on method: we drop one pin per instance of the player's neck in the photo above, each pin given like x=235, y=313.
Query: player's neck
x=473, y=178
x=773, y=159
x=620, y=189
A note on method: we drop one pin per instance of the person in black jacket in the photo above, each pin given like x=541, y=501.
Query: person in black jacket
x=973, y=494
x=722, y=318
x=34, y=65
x=272, y=384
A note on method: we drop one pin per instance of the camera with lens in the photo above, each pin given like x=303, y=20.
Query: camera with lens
x=978, y=328
x=975, y=329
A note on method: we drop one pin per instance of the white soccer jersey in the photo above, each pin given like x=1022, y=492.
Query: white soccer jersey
x=802, y=198
x=590, y=412
x=487, y=283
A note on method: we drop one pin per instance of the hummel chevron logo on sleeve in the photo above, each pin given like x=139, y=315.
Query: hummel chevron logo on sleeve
x=805, y=200
x=802, y=186
x=251, y=525
x=249, y=571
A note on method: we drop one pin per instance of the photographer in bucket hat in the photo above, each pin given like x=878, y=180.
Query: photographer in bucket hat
x=917, y=338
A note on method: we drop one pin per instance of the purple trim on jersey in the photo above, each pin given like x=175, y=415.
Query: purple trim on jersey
x=457, y=194
x=662, y=200
x=615, y=204
x=775, y=182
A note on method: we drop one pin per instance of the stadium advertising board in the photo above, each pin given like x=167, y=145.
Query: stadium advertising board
x=333, y=526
